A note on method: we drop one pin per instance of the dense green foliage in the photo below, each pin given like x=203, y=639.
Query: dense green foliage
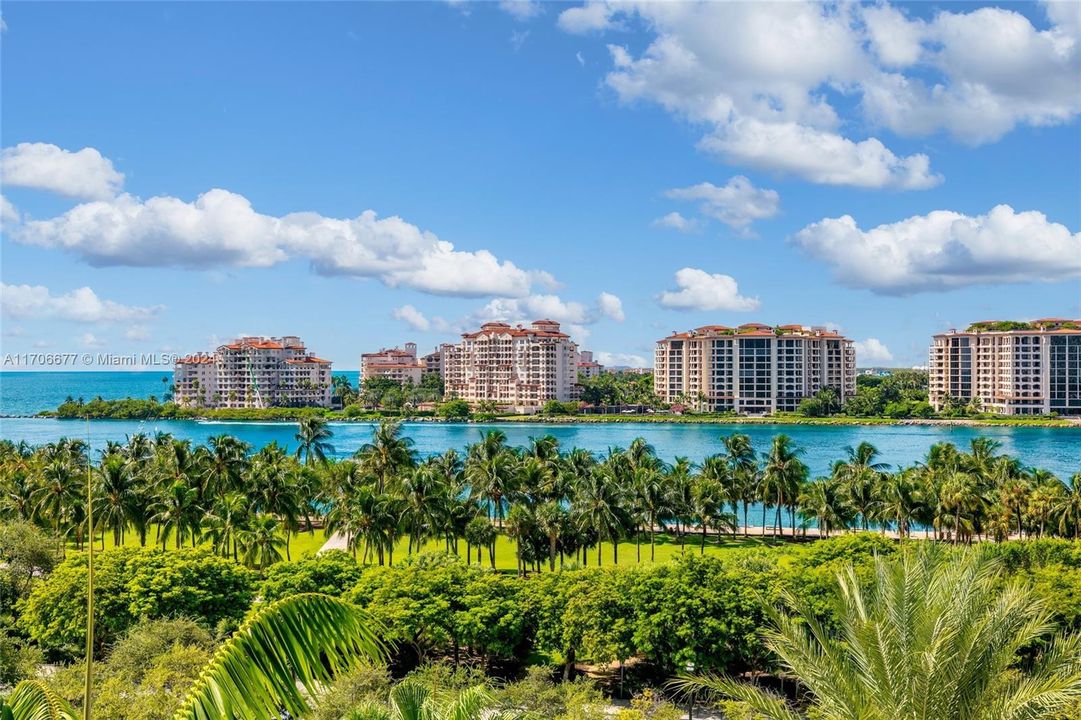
x=929, y=636
x=133, y=584
x=619, y=388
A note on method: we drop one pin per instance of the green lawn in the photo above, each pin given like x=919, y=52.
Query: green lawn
x=299, y=545
x=667, y=548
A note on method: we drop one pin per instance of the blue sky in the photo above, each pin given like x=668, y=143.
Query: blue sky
x=178, y=174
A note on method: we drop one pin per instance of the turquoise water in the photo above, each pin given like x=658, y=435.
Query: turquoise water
x=1058, y=450
x=27, y=393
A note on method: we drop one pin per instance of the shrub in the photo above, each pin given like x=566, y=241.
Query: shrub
x=132, y=584
x=332, y=573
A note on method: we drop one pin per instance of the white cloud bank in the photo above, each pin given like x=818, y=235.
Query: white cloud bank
x=872, y=350
x=42, y=166
x=221, y=229
x=763, y=78
x=700, y=290
x=737, y=204
x=81, y=305
x=609, y=359
x=944, y=250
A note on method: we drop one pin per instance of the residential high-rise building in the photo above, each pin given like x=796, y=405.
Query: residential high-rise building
x=513, y=366
x=753, y=369
x=1011, y=368
x=256, y=372
x=587, y=366
x=398, y=364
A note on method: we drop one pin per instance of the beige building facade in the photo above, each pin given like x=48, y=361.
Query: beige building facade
x=254, y=372
x=752, y=369
x=398, y=364
x=513, y=367
x=1010, y=368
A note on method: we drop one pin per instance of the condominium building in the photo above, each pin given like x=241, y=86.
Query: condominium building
x=587, y=366
x=254, y=372
x=1011, y=368
x=398, y=364
x=513, y=366
x=434, y=362
x=753, y=369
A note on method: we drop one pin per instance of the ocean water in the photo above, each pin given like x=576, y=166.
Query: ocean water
x=27, y=393
x=1055, y=449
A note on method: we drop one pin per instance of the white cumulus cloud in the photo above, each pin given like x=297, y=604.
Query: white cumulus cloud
x=610, y=306
x=700, y=290
x=783, y=86
x=80, y=305
x=221, y=228
x=590, y=17
x=412, y=317
x=737, y=204
x=521, y=9
x=610, y=359
x=944, y=250
x=872, y=350
x=676, y=221
x=42, y=166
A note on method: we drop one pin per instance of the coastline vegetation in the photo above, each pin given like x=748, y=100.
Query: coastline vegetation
x=537, y=581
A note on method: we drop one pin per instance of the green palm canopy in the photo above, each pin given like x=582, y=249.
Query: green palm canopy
x=929, y=638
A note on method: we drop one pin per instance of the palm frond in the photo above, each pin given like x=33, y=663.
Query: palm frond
x=765, y=704
x=280, y=657
x=34, y=700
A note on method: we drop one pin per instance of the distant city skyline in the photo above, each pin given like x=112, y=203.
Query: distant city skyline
x=368, y=174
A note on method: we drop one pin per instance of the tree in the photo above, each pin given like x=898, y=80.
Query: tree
x=387, y=455
x=859, y=474
x=598, y=504
x=930, y=637
x=115, y=496
x=783, y=477
x=824, y=501
x=313, y=441
x=490, y=470
x=262, y=541
x=743, y=465
x=456, y=409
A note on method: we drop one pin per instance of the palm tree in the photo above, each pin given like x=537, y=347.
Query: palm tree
x=551, y=520
x=262, y=541
x=859, y=475
x=489, y=468
x=651, y=502
x=1068, y=508
x=226, y=521
x=707, y=507
x=598, y=505
x=824, y=501
x=313, y=441
x=898, y=498
x=782, y=477
x=932, y=636
x=115, y=495
x=178, y=513
x=744, y=471
x=57, y=493
x=388, y=454
x=226, y=464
